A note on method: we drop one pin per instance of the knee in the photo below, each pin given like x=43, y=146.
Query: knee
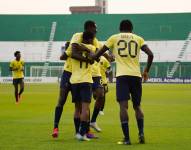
x=22, y=88
x=123, y=108
x=139, y=112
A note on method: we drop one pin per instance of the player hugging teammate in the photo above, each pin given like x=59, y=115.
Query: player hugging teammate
x=125, y=46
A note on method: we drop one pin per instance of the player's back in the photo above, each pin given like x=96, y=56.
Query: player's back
x=82, y=71
x=126, y=48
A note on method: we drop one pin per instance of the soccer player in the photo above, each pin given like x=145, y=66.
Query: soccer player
x=126, y=48
x=17, y=68
x=98, y=94
x=89, y=26
x=104, y=68
x=81, y=81
x=65, y=87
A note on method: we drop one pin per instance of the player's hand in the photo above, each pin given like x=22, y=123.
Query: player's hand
x=90, y=61
x=145, y=76
x=112, y=58
x=91, y=56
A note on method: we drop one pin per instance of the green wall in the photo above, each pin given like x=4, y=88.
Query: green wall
x=37, y=27
x=158, y=69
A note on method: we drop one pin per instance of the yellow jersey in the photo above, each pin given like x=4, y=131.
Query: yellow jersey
x=126, y=49
x=96, y=70
x=68, y=64
x=104, y=65
x=77, y=38
x=19, y=65
x=82, y=71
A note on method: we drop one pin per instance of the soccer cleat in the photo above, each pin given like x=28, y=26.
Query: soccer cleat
x=55, y=133
x=82, y=138
x=17, y=103
x=124, y=142
x=91, y=135
x=101, y=113
x=95, y=126
x=141, y=139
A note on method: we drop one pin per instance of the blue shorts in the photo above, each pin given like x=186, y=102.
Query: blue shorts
x=96, y=83
x=129, y=87
x=82, y=92
x=18, y=81
x=65, y=80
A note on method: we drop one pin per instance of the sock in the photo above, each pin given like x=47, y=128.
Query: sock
x=58, y=113
x=88, y=127
x=103, y=103
x=140, y=124
x=83, y=127
x=95, y=114
x=77, y=124
x=21, y=91
x=125, y=128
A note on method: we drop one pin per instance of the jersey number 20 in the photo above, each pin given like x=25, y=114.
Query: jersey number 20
x=132, y=50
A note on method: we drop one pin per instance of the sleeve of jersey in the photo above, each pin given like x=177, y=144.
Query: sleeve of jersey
x=109, y=42
x=23, y=63
x=69, y=51
x=93, y=49
x=96, y=43
x=107, y=64
x=11, y=64
x=75, y=39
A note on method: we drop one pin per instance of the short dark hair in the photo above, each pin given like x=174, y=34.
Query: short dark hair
x=88, y=24
x=17, y=52
x=126, y=25
x=88, y=35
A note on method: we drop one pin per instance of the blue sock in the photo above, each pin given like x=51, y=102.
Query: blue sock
x=125, y=128
x=140, y=124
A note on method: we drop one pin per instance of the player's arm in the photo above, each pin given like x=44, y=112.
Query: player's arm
x=80, y=47
x=76, y=54
x=99, y=53
x=108, y=45
x=64, y=56
x=147, y=50
x=11, y=68
x=109, y=57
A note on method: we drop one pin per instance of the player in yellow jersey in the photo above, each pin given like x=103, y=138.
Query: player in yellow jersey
x=17, y=68
x=65, y=87
x=105, y=67
x=81, y=81
x=65, y=80
x=126, y=48
x=89, y=26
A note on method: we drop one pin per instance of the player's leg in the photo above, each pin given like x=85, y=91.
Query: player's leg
x=65, y=87
x=122, y=92
x=85, y=94
x=136, y=93
x=16, y=87
x=77, y=113
x=99, y=94
x=90, y=134
x=104, y=98
x=21, y=82
x=84, y=118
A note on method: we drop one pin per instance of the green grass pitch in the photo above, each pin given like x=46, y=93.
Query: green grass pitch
x=28, y=126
